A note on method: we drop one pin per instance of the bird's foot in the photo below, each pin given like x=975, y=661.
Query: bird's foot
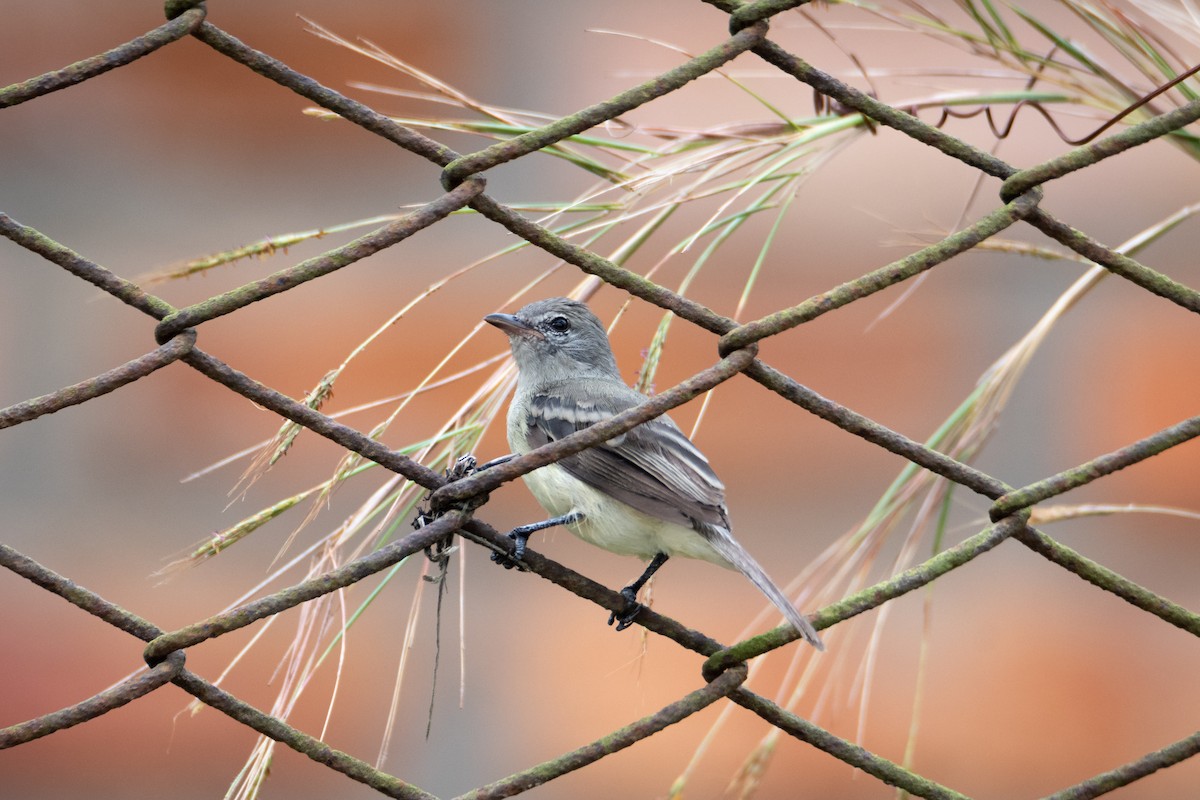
x=521, y=535
x=513, y=558
x=629, y=614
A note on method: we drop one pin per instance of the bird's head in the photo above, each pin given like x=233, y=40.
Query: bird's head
x=557, y=339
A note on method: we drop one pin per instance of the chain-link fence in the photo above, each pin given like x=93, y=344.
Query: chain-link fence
x=456, y=505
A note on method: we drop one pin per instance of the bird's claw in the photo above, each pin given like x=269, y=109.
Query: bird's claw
x=505, y=560
x=626, y=619
x=632, y=609
x=511, y=559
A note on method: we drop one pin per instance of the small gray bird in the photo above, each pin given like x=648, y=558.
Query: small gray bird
x=648, y=492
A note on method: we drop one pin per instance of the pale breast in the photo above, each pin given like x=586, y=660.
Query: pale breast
x=607, y=523
x=611, y=524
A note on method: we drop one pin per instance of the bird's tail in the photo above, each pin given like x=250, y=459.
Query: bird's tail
x=724, y=543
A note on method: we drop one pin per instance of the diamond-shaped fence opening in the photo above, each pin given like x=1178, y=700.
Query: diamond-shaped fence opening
x=1012, y=503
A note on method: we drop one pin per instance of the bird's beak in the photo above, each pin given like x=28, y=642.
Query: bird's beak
x=514, y=326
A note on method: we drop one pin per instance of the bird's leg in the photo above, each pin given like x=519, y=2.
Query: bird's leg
x=495, y=462
x=521, y=535
x=630, y=592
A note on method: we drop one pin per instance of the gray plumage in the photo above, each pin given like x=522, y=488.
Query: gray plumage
x=669, y=499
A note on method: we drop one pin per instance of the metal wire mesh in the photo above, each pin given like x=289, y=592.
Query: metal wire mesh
x=456, y=503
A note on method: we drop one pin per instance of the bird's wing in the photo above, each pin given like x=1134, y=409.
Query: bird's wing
x=653, y=468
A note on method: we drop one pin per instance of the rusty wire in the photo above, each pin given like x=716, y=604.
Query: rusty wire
x=455, y=503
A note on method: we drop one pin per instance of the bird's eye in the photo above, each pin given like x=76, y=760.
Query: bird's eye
x=559, y=325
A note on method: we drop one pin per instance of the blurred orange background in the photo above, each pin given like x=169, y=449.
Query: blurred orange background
x=1036, y=680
